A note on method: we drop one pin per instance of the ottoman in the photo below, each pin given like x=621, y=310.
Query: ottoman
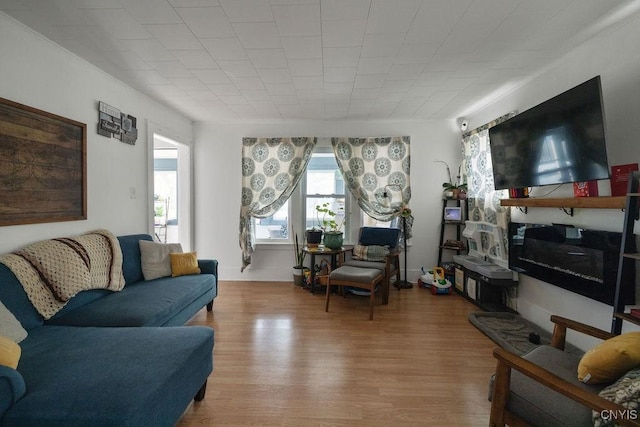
x=357, y=277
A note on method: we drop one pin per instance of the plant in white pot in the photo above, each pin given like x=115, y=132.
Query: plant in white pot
x=299, y=268
x=333, y=234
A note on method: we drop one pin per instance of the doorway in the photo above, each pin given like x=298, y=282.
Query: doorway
x=171, y=191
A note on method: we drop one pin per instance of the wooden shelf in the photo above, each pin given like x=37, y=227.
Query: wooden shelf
x=568, y=202
x=627, y=317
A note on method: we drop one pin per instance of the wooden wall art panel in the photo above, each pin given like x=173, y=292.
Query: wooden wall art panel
x=43, y=166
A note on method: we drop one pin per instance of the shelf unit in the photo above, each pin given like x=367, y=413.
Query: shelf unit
x=567, y=202
x=627, y=258
x=457, y=224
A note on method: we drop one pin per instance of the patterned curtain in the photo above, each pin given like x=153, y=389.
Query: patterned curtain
x=371, y=164
x=483, y=198
x=271, y=170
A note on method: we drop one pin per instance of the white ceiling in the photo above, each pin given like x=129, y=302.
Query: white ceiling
x=293, y=60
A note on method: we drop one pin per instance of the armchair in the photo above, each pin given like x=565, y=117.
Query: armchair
x=379, y=236
x=541, y=387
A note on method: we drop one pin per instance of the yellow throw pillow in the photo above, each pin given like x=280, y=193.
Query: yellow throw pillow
x=10, y=352
x=609, y=360
x=186, y=263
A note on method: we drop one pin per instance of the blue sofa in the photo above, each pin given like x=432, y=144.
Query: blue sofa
x=111, y=358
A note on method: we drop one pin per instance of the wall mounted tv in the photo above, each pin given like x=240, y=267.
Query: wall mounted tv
x=559, y=141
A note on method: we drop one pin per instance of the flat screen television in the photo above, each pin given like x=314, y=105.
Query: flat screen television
x=559, y=141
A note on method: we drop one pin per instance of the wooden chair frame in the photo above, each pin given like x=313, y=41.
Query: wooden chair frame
x=500, y=414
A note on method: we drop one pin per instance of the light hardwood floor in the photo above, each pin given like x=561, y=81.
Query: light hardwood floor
x=279, y=359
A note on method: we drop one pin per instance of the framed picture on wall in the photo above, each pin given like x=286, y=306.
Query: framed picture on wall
x=43, y=166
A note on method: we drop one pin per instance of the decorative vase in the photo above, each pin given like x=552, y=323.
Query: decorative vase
x=333, y=239
x=298, y=274
x=314, y=237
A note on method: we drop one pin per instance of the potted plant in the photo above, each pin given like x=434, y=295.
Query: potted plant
x=298, y=268
x=333, y=236
x=454, y=191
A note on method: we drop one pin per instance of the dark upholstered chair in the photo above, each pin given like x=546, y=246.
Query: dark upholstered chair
x=367, y=274
x=379, y=236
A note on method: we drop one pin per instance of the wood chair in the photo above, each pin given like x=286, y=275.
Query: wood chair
x=357, y=277
x=390, y=266
x=563, y=392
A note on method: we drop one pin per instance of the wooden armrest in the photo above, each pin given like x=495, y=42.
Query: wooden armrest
x=560, y=331
x=393, y=253
x=508, y=361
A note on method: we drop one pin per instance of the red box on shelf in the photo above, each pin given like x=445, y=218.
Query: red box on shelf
x=635, y=312
x=620, y=178
x=585, y=189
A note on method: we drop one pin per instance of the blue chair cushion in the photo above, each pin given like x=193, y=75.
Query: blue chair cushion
x=379, y=236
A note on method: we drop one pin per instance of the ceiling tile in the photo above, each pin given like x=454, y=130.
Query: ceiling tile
x=302, y=47
x=195, y=59
x=338, y=10
x=305, y=67
x=275, y=75
x=174, y=36
x=267, y=58
x=391, y=16
x=206, y=22
x=247, y=10
x=343, y=33
x=229, y=49
x=242, y=68
x=298, y=20
x=259, y=35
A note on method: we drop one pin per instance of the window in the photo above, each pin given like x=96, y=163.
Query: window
x=324, y=184
x=274, y=228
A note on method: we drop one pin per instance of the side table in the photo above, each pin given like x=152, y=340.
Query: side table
x=322, y=250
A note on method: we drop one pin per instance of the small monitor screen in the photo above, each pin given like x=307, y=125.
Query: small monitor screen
x=453, y=214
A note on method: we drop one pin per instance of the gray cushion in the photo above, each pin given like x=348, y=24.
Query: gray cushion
x=540, y=405
x=10, y=327
x=355, y=274
x=365, y=264
x=156, y=261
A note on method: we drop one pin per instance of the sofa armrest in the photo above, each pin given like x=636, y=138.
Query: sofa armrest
x=12, y=388
x=560, y=331
x=208, y=266
x=507, y=361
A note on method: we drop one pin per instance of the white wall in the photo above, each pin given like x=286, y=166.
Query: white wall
x=218, y=181
x=38, y=73
x=615, y=57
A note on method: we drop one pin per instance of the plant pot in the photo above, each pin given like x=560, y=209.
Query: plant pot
x=333, y=239
x=314, y=237
x=298, y=274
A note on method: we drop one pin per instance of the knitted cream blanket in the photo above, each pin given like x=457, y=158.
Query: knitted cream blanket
x=53, y=271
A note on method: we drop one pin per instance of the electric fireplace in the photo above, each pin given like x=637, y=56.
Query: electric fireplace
x=581, y=260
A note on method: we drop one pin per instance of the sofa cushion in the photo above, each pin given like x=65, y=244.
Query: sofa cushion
x=183, y=264
x=538, y=404
x=148, y=303
x=625, y=392
x=370, y=253
x=131, y=259
x=110, y=376
x=607, y=361
x=14, y=297
x=156, y=261
x=10, y=327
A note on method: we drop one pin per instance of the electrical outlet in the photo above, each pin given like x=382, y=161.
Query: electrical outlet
x=132, y=192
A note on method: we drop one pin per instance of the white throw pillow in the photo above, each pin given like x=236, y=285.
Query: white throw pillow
x=155, y=258
x=10, y=327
